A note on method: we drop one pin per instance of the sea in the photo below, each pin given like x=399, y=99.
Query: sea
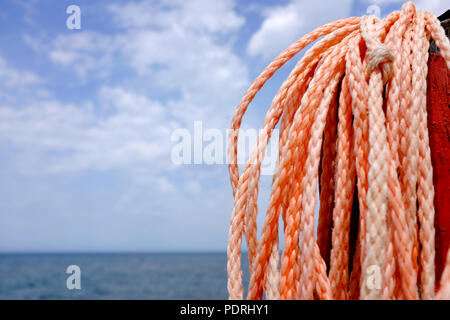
x=45, y=276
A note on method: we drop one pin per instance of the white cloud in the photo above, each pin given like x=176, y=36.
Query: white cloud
x=198, y=15
x=84, y=52
x=13, y=78
x=19, y=85
x=89, y=54
x=72, y=138
x=283, y=25
x=127, y=102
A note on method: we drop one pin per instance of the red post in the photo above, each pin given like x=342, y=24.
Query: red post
x=438, y=102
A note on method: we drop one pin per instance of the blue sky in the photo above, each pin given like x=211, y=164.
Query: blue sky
x=86, y=115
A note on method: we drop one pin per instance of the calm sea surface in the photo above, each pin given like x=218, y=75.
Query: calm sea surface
x=116, y=276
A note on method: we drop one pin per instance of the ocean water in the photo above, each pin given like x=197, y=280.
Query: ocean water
x=116, y=276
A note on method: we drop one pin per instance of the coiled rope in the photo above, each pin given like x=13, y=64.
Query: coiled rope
x=352, y=111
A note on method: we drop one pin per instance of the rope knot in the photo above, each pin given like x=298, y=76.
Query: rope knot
x=382, y=56
x=378, y=53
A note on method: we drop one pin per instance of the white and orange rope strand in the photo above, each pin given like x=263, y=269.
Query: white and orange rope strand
x=351, y=112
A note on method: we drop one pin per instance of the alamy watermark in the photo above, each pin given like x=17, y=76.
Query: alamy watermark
x=375, y=10
x=374, y=277
x=209, y=146
x=74, y=19
x=74, y=280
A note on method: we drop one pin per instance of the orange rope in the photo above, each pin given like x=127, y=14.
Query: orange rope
x=353, y=108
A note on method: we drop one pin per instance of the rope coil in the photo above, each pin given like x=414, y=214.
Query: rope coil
x=351, y=112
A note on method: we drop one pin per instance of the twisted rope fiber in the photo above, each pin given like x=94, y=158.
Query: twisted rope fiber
x=351, y=112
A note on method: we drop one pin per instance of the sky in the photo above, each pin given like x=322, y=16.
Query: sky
x=87, y=115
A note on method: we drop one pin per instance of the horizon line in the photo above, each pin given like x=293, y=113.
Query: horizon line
x=116, y=252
